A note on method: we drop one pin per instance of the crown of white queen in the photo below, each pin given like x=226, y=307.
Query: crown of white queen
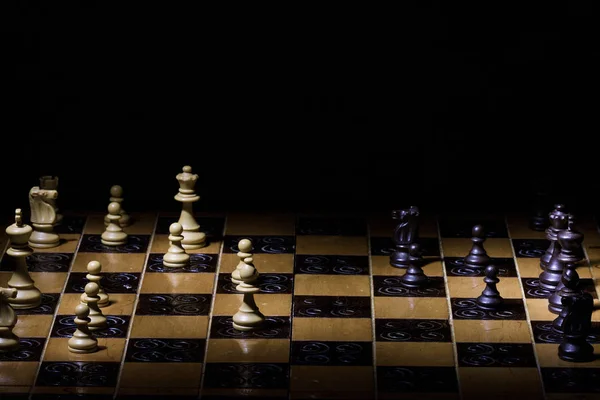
x=187, y=180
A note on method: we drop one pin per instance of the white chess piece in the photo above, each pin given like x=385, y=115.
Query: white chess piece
x=43, y=218
x=176, y=257
x=8, y=319
x=97, y=319
x=48, y=182
x=116, y=195
x=83, y=340
x=28, y=295
x=114, y=234
x=94, y=268
x=192, y=237
x=248, y=316
x=244, y=247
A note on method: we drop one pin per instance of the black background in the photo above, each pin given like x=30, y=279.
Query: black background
x=451, y=108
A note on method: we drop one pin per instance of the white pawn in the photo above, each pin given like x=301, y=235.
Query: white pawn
x=248, y=316
x=94, y=268
x=97, y=318
x=114, y=234
x=244, y=247
x=8, y=319
x=83, y=340
x=116, y=195
x=176, y=257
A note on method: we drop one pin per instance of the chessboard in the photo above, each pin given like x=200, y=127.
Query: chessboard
x=338, y=322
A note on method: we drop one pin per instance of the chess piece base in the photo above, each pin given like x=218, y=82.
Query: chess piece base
x=83, y=346
x=550, y=281
x=114, y=238
x=193, y=240
x=476, y=261
x=176, y=261
x=248, y=320
x=489, y=302
x=42, y=238
x=10, y=343
x=400, y=259
x=414, y=281
x=576, y=352
x=102, y=303
x=26, y=299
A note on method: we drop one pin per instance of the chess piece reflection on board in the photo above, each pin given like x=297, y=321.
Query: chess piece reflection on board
x=116, y=196
x=193, y=238
x=8, y=319
x=28, y=295
x=248, y=316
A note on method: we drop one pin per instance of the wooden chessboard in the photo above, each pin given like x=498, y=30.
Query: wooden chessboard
x=339, y=324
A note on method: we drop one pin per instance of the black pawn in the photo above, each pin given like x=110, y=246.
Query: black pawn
x=477, y=257
x=569, y=287
x=414, y=276
x=576, y=326
x=490, y=298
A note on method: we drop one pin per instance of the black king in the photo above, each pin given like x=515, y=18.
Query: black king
x=405, y=234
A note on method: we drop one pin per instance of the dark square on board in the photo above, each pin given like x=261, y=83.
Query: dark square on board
x=384, y=246
x=273, y=328
x=512, y=309
x=463, y=228
x=328, y=226
x=118, y=325
x=509, y=355
x=268, y=283
x=331, y=353
x=332, y=306
x=198, y=263
x=262, y=244
x=403, y=379
x=455, y=266
x=571, y=380
x=331, y=265
x=533, y=290
x=41, y=262
x=412, y=330
x=247, y=375
x=30, y=349
x=173, y=304
x=112, y=282
x=392, y=286
x=135, y=244
x=165, y=350
x=78, y=374
x=530, y=248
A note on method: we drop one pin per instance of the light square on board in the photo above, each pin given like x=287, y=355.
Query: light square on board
x=415, y=354
x=46, y=282
x=328, y=245
x=500, y=383
x=518, y=228
x=472, y=287
x=381, y=266
x=110, y=262
x=19, y=375
x=237, y=350
x=156, y=282
x=227, y=304
x=68, y=244
x=332, y=379
x=332, y=329
x=120, y=304
x=172, y=326
x=331, y=285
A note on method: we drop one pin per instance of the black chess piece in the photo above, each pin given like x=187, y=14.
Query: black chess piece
x=539, y=220
x=405, y=234
x=565, y=249
x=414, y=276
x=490, y=298
x=569, y=286
x=477, y=257
x=575, y=327
x=558, y=221
x=578, y=237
